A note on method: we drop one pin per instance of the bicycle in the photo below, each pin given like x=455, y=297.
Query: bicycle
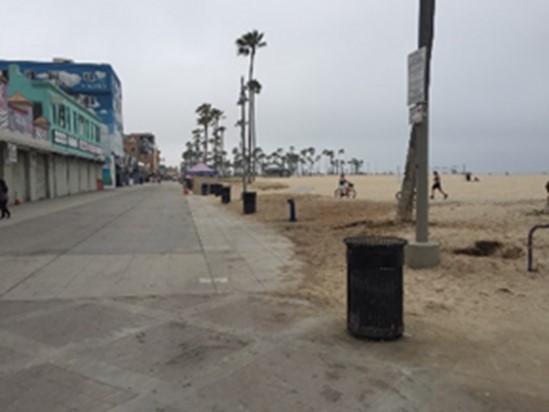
x=349, y=192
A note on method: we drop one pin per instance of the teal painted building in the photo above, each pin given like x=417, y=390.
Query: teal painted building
x=73, y=129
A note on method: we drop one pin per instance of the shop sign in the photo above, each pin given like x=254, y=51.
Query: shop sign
x=73, y=142
x=60, y=137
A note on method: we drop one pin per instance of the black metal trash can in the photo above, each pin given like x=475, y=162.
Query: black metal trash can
x=216, y=189
x=249, y=199
x=226, y=194
x=204, y=189
x=375, y=287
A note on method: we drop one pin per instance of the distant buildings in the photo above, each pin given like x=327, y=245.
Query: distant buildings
x=142, y=153
x=97, y=88
x=50, y=144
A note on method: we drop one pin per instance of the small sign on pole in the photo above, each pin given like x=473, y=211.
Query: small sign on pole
x=417, y=62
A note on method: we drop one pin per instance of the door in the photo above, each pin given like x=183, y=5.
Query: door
x=41, y=176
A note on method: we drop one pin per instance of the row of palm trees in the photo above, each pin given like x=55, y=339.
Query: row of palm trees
x=202, y=147
x=249, y=159
x=211, y=150
x=307, y=161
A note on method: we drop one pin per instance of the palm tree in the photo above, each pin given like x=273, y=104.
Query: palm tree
x=188, y=155
x=221, y=146
x=238, y=161
x=205, y=118
x=247, y=45
x=216, y=116
x=356, y=165
x=330, y=154
x=310, y=157
x=197, y=144
x=317, y=159
x=340, y=161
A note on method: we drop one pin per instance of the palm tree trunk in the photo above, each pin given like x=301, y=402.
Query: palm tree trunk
x=205, y=157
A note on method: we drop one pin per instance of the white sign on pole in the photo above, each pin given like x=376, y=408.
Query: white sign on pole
x=417, y=63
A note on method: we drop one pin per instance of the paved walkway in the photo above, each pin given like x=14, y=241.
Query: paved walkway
x=144, y=300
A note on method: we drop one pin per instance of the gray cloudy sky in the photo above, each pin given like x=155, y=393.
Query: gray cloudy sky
x=333, y=74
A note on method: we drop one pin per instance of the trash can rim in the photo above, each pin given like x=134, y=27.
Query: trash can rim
x=375, y=241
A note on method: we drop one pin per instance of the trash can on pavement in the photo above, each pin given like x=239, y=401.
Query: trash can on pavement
x=375, y=287
x=226, y=194
x=249, y=199
x=216, y=189
x=204, y=189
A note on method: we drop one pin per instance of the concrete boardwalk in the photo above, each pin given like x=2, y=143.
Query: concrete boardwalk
x=144, y=300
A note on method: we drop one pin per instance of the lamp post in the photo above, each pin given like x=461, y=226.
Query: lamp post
x=242, y=103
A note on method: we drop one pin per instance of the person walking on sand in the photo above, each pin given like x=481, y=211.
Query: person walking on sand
x=4, y=199
x=437, y=186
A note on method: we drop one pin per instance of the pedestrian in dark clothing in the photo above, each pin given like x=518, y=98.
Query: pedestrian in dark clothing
x=4, y=200
x=437, y=185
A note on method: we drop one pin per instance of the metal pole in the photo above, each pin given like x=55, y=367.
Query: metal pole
x=242, y=103
x=422, y=195
x=425, y=39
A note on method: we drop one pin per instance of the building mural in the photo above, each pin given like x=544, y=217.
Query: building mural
x=20, y=120
x=3, y=102
x=37, y=107
x=98, y=88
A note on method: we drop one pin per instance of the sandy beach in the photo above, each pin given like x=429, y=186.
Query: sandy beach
x=483, y=301
x=382, y=188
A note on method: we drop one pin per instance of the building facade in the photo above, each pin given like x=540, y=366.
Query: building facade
x=50, y=145
x=97, y=87
x=142, y=147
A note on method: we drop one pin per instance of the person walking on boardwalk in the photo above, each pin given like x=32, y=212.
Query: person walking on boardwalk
x=4, y=199
x=437, y=185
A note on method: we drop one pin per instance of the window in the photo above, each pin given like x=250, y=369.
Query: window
x=75, y=122
x=37, y=110
x=97, y=133
x=68, y=115
x=91, y=102
x=80, y=124
x=54, y=113
x=30, y=74
x=61, y=115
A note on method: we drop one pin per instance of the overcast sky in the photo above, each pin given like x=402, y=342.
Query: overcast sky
x=333, y=73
